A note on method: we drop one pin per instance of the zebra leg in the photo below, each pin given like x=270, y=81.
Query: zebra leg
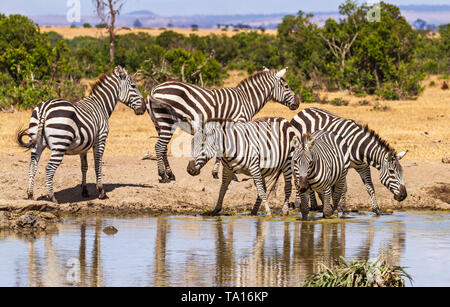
x=338, y=191
x=256, y=206
x=161, y=156
x=84, y=168
x=260, y=187
x=287, y=188
x=169, y=174
x=304, y=205
x=227, y=175
x=99, y=148
x=215, y=171
x=326, y=200
x=313, y=200
x=35, y=156
x=367, y=179
x=55, y=160
x=343, y=199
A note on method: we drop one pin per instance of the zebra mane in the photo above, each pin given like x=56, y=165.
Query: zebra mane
x=254, y=75
x=100, y=80
x=220, y=120
x=378, y=139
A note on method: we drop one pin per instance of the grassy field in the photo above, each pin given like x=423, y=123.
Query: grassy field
x=422, y=126
x=69, y=33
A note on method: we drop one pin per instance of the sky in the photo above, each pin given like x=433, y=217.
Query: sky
x=190, y=7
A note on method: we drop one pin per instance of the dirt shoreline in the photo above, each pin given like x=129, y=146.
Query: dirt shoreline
x=133, y=189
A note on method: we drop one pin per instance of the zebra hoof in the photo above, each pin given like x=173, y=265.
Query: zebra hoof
x=164, y=180
x=52, y=199
x=171, y=177
x=102, y=196
x=215, y=175
x=235, y=178
x=30, y=196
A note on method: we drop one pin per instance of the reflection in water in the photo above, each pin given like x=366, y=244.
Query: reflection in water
x=197, y=251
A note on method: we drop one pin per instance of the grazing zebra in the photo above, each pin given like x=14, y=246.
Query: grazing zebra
x=173, y=102
x=259, y=148
x=73, y=128
x=366, y=149
x=320, y=163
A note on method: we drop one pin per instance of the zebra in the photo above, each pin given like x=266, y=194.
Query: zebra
x=320, y=163
x=73, y=128
x=367, y=149
x=259, y=148
x=173, y=102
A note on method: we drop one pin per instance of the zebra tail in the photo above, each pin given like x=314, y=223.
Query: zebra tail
x=21, y=132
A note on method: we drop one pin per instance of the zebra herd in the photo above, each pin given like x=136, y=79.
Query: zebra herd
x=316, y=146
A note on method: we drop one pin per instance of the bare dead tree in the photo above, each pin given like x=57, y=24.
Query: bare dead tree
x=107, y=11
x=340, y=50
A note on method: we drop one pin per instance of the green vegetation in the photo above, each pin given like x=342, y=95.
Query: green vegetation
x=359, y=274
x=387, y=58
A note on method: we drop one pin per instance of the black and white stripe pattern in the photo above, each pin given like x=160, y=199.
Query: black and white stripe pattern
x=172, y=103
x=366, y=149
x=259, y=148
x=73, y=128
x=320, y=163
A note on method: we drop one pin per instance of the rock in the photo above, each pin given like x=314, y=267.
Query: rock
x=11, y=154
x=4, y=220
x=110, y=230
x=47, y=216
x=26, y=220
x=446, y=160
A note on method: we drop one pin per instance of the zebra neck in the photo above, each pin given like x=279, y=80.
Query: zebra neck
x=375, y=156
x=104, y=96
x=257, y=92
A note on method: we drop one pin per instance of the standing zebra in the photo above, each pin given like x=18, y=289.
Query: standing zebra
x=260, y=148
x=366, y=149
x=73, y=128
x=320, y=163
x=173, y=102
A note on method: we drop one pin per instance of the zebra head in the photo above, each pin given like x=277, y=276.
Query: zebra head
x=302, y=160
x=129, y=93
x=391, y=174
x=282, y=93
x=203, y=146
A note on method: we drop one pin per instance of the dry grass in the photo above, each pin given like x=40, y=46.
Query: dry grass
x=69, y=33
x=403, y=124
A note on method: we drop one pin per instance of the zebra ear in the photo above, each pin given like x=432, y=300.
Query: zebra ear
x=121, y=72
x=309, y=143
x=265, y=69
x=281, y=73
x=296, y=142
x=400, y=155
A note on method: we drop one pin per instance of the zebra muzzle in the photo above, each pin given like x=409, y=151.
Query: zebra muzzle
x=303, y=184
x=191, y=169
x=401, y=195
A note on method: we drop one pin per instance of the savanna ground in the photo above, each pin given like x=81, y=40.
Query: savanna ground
x=422, y=126
x=69, y=33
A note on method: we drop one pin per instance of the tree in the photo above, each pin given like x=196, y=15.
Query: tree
x=108, y=10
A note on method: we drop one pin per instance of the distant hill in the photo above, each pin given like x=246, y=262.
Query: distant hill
x=432, y=15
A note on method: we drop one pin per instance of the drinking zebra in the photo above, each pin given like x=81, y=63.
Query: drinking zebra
x=366, y=149
x=259, y=148
x=172, y=102
x=73, y=128
x=320, y=163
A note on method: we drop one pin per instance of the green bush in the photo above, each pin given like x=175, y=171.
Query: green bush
x=359, y=274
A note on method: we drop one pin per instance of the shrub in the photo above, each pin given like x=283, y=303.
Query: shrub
x=359, y=274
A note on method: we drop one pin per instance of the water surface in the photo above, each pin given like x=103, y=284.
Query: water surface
x=222, y=251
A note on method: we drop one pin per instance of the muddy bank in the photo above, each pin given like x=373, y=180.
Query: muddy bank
x=132, y=187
